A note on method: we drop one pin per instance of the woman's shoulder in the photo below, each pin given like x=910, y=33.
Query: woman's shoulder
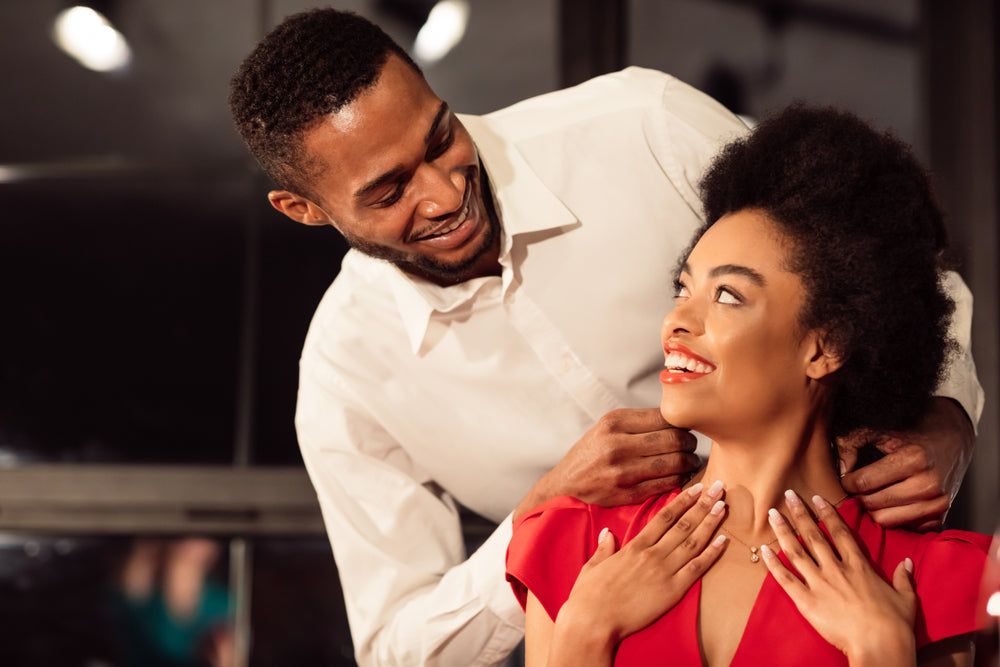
x=551, y=543
x=573, y=520
x=948, y=570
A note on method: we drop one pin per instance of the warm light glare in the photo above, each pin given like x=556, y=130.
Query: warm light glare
x=993, y=605
x=89, y=38
x=444, y=28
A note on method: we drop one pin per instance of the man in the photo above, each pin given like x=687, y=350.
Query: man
x=504, y=292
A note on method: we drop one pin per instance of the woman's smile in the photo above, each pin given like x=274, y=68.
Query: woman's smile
x=683, y=365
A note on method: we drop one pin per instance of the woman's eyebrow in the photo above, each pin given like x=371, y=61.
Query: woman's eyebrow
x=726, y=269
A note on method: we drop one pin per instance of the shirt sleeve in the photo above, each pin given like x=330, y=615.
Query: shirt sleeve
x=412, y=595
x=685, y=130
x=960, y=381
x=948, y=573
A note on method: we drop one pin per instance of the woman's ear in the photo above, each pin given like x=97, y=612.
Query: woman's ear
x=298, y=208
x=822, y=359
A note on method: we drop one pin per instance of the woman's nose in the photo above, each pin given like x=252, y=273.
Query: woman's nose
x=684, y=318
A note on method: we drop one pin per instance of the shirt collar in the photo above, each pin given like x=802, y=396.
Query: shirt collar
x=525, y=205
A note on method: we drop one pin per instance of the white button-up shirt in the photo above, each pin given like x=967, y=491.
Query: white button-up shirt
x=413, y=395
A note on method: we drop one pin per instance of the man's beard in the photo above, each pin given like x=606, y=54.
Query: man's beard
x=445, y=273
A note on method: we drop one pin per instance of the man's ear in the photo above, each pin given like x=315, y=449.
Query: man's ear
x=298, y=208
x=822, y=359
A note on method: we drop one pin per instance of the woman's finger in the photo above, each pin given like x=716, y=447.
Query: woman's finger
x=678, y=550
x=816, y=543
x=841, y=536
x=680, y=516
x=902, y=580
x=664, y=519
x=606, y=547
x=790, y=544
x=694, y=568
x=791, y=584
x=693, y=530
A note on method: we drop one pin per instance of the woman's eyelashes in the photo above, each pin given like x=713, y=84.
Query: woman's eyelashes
x=724, y=294
x=728, y=296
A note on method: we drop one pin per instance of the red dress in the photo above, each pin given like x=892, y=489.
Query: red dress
x=552, y=542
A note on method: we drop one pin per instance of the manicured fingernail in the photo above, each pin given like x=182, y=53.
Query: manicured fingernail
x=843, y=467
x=774, y=516
x=718, y=507
x=715, y=490
x=695, y=489
x=719, y=540
x=908, y=565
x=604, y=533
x=819, y=503
x=792, y=498
x=766, y=552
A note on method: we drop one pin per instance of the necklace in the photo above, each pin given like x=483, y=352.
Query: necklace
x=755, y=550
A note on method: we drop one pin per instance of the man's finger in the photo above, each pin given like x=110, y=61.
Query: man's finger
x=646, y=489
x=890, y=469
x=922, y=515
x=847, y=451
x=638, y=469
x=634, y=420
x=914, y=489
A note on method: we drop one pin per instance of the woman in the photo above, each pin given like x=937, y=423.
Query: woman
x=809, y=306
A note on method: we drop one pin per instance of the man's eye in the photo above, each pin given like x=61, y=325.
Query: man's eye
x=440, y=149
x=392, y=198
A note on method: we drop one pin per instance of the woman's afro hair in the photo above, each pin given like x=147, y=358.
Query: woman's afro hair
x=867, y=241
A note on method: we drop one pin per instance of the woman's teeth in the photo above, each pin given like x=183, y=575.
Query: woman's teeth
x=679, y=363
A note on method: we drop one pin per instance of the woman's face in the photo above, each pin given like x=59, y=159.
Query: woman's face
x=736, y=357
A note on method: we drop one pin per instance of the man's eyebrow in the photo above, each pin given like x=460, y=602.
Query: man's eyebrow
x=442, y=111
x=393, y=174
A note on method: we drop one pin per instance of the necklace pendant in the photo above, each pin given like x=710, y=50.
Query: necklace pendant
x=754, y=557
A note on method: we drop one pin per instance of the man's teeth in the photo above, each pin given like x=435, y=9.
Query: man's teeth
x=453, y=226
x=679, y=363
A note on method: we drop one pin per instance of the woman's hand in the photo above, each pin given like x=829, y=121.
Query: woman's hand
x=620, y=592
x=839, y=592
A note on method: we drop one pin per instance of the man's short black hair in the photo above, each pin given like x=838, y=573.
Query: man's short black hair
x=868, y=240
x=309, y=66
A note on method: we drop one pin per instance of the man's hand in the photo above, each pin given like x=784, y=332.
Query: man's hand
x=916, y=481
x=628, y=456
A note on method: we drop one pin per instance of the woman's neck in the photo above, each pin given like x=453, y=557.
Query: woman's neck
x=757, y=470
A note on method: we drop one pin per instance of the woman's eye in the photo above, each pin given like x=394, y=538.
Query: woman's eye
x=681, y=291
x=727, y=297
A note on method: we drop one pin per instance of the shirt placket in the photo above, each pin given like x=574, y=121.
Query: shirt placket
x=558, y=358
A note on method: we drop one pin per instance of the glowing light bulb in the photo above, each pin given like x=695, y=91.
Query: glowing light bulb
x=444, y=28
x=91, y=40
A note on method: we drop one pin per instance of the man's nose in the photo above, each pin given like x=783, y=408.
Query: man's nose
x=442, y=191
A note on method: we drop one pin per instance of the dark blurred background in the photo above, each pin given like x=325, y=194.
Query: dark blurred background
x=153, y=305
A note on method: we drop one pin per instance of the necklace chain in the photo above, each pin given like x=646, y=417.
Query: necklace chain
x=755, y=550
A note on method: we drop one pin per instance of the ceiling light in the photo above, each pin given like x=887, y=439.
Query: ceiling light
x=444, y=28
x=90, y=39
